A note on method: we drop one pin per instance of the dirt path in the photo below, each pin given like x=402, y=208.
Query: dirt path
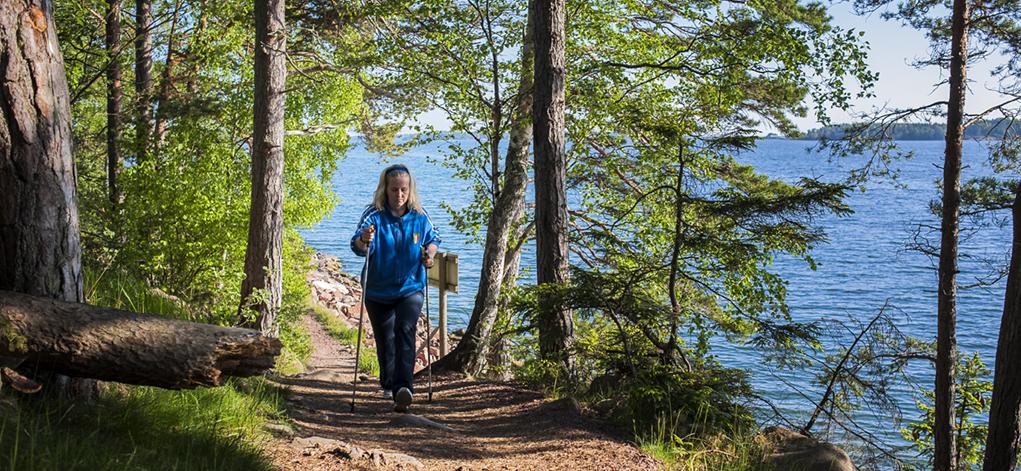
x=495, y=426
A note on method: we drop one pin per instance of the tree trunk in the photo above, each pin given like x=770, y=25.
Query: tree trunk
x=143, y=76
x=113, y=103
x=1005, y=410
x=40, y=252
x=198, y=37
x=556, y=328
x=159, y=131
x=266, y=220
x=39, y=245
x=471, y=352
x=676, y=310
x=946, y=341
x=115, y=345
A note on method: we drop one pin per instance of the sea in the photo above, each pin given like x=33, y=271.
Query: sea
x=869, y=260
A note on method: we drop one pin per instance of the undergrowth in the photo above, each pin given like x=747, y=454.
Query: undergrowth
x=692, y=420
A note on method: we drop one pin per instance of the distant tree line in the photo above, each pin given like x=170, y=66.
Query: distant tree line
x=984, y=129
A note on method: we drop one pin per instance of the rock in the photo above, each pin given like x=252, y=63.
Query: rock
x=341, y=289
x=796, y=452
x=326, y=375
x=280, y=429
x=412, y=420
x=566, y=404
x=315, y=442
x=324, y=286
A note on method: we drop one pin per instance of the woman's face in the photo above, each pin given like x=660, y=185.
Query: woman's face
x=398, y=187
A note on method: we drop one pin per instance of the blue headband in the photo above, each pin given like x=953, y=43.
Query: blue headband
x=396, y=168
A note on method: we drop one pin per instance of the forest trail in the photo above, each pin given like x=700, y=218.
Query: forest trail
x=495, y=426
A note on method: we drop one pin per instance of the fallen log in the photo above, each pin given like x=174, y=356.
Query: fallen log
x=128, y=347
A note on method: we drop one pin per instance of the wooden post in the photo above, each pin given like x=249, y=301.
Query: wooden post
x=443, y=275
x=443, y=304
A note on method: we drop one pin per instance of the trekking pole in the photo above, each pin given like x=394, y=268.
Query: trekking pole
x=361, y=321
x=428, y=337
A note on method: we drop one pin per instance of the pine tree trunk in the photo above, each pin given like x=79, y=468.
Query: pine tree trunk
x=946, y=336
x=556, y=327
x=115, y=345
x=166, y=87
x=113, y=103
x=40, y=251
x=266, y=219
x=143, y=76
x=39, y=245
x=1005, y=410
x=472, y=351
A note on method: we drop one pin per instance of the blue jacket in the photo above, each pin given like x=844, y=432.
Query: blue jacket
x=395, y=264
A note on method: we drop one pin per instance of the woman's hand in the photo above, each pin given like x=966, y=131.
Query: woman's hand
x=427, y=259
x=367, y=235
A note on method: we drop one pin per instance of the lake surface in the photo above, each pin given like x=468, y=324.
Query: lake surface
x=865, y=263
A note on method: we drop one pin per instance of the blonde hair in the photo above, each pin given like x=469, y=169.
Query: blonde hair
x=379, y=197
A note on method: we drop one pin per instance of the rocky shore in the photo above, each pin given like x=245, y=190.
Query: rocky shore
x=340, y=293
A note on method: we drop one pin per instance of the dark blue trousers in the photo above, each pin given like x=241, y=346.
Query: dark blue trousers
x=393, y=325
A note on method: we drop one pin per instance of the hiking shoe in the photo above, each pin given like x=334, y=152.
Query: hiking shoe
x=388, y=394
x=402, y=400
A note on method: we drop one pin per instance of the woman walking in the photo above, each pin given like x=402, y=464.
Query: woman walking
x=400, y=239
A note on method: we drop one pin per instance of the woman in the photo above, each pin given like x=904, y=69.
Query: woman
x=400, y=240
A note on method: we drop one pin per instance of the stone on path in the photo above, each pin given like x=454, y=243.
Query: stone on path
x=412, y=420
x=326, y=374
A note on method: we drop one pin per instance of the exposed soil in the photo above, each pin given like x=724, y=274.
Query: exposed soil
x=497, y=426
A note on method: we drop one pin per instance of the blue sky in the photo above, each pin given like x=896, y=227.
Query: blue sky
x=893, y=48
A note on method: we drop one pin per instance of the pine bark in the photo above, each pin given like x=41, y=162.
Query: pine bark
x=114, y=93
x=266, y=218
x=143, y=76
x=472, y=351
x=556, y=328
x=945, y=458
x=40, y=250
x=1005, y=409
x=39, y=239
x=115, y=345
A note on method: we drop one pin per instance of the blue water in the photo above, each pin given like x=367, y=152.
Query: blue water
x=865, y=262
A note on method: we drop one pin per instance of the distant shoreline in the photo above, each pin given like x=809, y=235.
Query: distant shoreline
x=988, y=129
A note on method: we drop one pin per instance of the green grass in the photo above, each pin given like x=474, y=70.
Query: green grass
x=367, y=362
x=121, y=291
x=733, y=451
x=145, y=428
x=716, y=453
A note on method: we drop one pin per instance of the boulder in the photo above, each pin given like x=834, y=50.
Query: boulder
x=788, y=450
x=565, y=405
